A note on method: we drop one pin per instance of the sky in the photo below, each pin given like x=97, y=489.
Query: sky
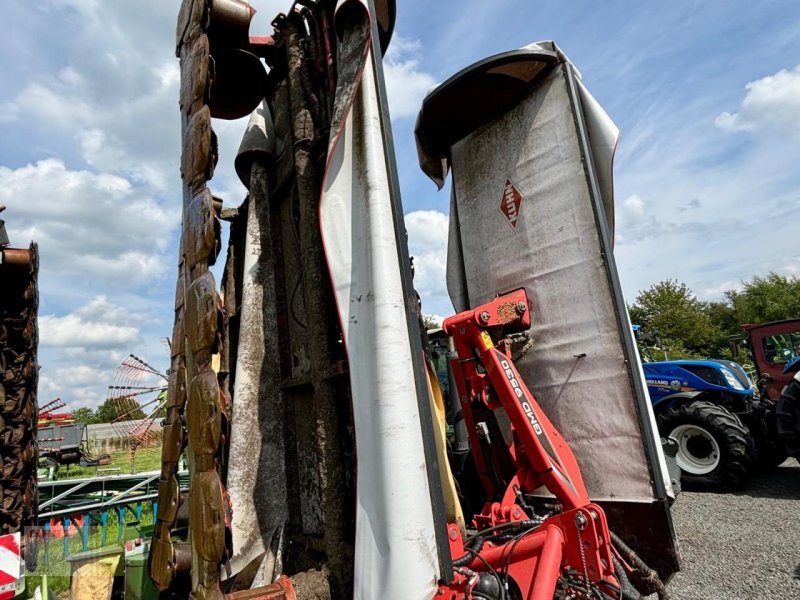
x=706, y=95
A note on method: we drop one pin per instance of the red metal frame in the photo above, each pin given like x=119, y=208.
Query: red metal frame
x=772, y=372
x=280, y=590
x=576, y=538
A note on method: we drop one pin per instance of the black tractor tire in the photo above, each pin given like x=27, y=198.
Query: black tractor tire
x=731, y=468
x=788, y=418
x=770, y=454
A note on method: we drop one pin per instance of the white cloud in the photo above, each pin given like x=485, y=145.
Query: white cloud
x=98, y=324
x=96, y=225
x=634, y=205
x=771, y=103
x=47, y=106
x=427, y=243
x=790, y=266
x=114, y=91
x=81, y=352
x=71, y=330
x=406, y=84
x=716, y=210
x=717, y=292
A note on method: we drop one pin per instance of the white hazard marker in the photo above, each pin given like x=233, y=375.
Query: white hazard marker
x=10, y=565
x=511, y=203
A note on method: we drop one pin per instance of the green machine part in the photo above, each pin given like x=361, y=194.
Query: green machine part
x=138, y=585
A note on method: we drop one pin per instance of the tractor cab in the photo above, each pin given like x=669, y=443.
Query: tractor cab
x=772, y=346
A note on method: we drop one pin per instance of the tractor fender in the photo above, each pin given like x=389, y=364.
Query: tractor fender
x=675, y=400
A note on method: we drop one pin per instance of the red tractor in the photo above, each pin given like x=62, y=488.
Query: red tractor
x=775, y=351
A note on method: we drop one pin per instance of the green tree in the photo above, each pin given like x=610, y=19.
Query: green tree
x=680, y=318
x=83, y=415
x=118, y=408
x=724, y=320
x=431, y=322
x=763, y=299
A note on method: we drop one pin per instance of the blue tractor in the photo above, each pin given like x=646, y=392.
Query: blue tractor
x=709, y=408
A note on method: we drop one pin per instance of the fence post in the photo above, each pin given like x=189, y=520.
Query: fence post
x=46, y=558
x=87, y=522
x=104, y=525
x=121, y=524
x=67, y=522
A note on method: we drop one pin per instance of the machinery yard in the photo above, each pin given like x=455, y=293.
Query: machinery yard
x=740, y=545
x=337, y=300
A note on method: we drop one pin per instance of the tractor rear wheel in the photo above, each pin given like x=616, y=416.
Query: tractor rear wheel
x=715, y=449
x=770, y=454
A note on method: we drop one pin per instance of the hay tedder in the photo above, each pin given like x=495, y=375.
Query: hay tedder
x=315, y=429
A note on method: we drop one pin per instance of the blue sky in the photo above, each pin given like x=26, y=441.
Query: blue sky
x=706, y=95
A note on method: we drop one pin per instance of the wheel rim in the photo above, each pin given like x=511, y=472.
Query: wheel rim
x=698, y=451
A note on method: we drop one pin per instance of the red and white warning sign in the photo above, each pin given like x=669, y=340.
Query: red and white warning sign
x=10, y=565
x=511, y=203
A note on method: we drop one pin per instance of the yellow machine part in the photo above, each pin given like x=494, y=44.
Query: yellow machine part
x=452, y=505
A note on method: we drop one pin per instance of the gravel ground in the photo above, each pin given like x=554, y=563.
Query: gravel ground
x=743, y=545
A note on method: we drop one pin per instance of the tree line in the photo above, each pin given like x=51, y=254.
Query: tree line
x=692, y=328
x=107, y=412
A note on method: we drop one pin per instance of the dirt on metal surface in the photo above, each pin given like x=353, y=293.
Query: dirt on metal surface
x=19, y=373
x=743, y=545
x=308, y=404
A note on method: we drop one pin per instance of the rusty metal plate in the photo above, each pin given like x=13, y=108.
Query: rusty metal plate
x=280, y=590
x=203, y=414
x=176, y=389
x=17, y=256
x=199, y=229
x=207, y=515
x=161, y=560
x=194, y=72
x=168, y=498
x=180, y=286
x=201, y=313
x=192, y=21
x=206, y=591
x=178, y=336
x=196, y=159
x=172, y=442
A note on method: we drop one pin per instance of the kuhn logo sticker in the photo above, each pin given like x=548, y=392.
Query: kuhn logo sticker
x=511, y=203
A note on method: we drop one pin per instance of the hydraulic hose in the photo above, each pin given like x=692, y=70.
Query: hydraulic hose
x=626, y=589
x=474, y=548
x=649, y=575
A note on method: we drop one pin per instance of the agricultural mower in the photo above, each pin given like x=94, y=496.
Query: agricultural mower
x=524, y=546
x=313, y=426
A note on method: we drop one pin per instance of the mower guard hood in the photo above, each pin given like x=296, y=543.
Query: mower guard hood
x=531, y=156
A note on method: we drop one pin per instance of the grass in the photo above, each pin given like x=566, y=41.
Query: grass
x=58, y=568
x=146, y=459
